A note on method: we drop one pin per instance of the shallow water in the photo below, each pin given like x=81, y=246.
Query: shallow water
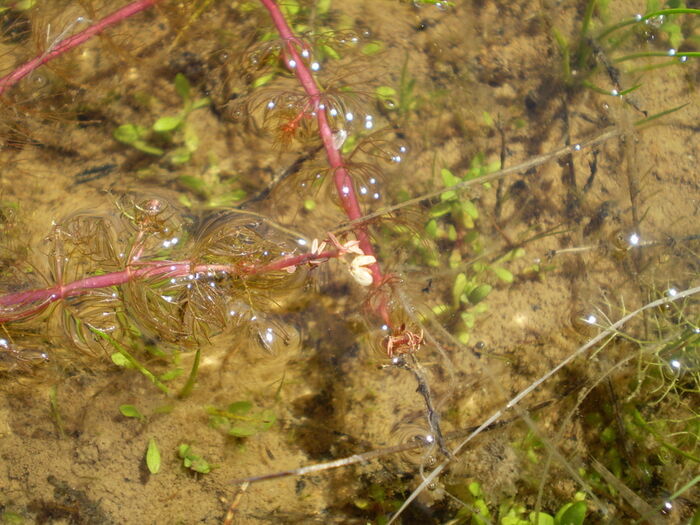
x=590, y=236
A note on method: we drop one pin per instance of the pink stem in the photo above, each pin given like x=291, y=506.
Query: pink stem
x=46, y=296
x=341, y=177
x=72, y=41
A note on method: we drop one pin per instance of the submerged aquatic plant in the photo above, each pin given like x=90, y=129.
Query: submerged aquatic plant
x=148, y=270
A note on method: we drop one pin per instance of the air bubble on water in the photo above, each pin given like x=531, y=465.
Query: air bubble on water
x=292, y=64
x=349, y=116
x=385, y=328
x=271, y=104
x=302, y=242
x=614, y=92
x=363, y=190
x=345, y=190
x=671, y=52
x=333, y=112
x=403, y=149
x=305, y=53
x=4, y=343
x=634, y=239
x=671, y=292
x=396, y=158
x=675, y=363
x=429, y=438
x=683, y=59
x=373, y=181
x=577, y=147
x=376, y=195
x=315, y=66
x=369, y=124
x=269, y=335
x=638, y=17
x=591, y=319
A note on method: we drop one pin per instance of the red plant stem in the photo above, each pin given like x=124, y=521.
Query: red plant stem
x=43, y=297
x=73, y=41
x=341, y=178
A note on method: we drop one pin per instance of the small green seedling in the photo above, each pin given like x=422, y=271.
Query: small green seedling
x=479, y=511
x=170, y=129
x=153, y=456
x=240, y=420
x=192, y=461
x=404, y=100
x=213, y=186
x=131, y=411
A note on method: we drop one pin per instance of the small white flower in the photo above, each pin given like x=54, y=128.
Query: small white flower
x=317, y=248
x=359, y=270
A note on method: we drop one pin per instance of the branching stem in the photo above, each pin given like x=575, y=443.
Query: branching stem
x=73, y=41
x=43, y=297
x=341, y=178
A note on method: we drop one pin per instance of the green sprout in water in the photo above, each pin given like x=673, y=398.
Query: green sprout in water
x=479, y=511
x=240, y=420
x=153, y=456
x=192, y=461
x=171, y=130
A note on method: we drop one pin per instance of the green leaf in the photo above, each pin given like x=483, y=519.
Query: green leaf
x=448, y=178
x=431, y=228
x=372, y=48
x=479, y=293
x=191, y=139
x=267, y=419
x=262, y=80
x=440, y=209
x=503, y=274
x=131, y=360
x=470, y=209
x=130, y=411
x=385, y=92
x=119, y=360
x=193, y=183
x=228, y=198
x=147, y=148
x=165, y=124
x=191, y=379
x=458, y=287
x=153, y=457
x=571, y=514
x=330, y=52
x=201, y=103
x=180, y=156
x=182, y=86
x=128, y=133
x=541, y=518
x=243, y=430
x=171, y=374
x=240, y=408
x=289, y=8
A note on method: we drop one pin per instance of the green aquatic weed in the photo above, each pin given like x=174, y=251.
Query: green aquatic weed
x=192, y=461
x=170, y=130
x=240, y=420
